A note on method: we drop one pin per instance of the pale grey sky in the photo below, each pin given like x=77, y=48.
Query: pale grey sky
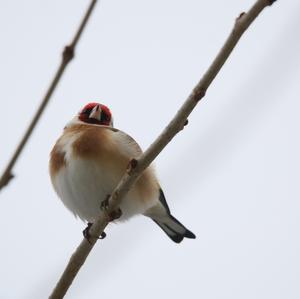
x=232, y=175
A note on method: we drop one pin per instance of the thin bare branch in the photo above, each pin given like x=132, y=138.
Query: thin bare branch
x=67, y=56
x=136, y=167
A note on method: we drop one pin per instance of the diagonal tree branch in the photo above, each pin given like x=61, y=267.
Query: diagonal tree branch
x=67, y=56
x=136, y=167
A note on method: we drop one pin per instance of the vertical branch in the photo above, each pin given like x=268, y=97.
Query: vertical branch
x=136, y=167
x=67, y=56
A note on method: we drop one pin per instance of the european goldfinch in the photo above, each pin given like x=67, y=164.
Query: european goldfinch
x=88, y=161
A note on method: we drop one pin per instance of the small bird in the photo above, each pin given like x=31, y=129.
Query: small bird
x=88, y=161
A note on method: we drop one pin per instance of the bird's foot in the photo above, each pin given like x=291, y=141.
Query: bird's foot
x=112, y=215
x=105, y=203
x=87, y=235
x=116, y=214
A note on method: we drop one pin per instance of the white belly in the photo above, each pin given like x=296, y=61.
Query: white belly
x=82, y=186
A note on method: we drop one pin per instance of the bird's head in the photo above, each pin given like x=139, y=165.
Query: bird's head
x=95, y=113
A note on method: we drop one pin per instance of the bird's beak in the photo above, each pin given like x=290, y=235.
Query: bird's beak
x=96, y=112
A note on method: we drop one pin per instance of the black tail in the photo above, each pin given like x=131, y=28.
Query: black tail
x=174, y=229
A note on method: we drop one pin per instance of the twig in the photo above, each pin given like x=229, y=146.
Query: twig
x=136, y=167
x=67, y=56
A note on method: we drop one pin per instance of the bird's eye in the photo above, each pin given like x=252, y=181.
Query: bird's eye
x=86, y=111
x=105, y=117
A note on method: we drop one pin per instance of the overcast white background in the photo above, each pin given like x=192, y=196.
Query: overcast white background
x=232, y=175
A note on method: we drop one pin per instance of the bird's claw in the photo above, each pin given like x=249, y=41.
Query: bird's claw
x=86, y=232
x=102, y=236
x=105, y=203
x=112, y=215
x=87, y=235
x=116, y=214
